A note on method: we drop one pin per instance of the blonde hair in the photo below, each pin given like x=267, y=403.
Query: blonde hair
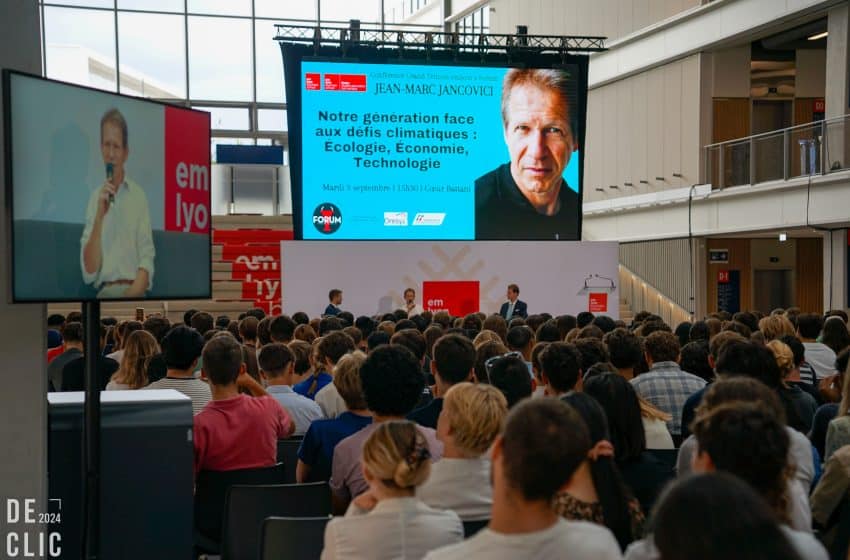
x=484, y=337
x=775, y=326
x=397, y=454
x=347, y=380
x=476, y=415
x=783, y=355
x=648, y=410
x=139, y=348
x=305, y=333
x=572, y=335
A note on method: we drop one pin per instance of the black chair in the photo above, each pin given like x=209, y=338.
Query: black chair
x=472, y=527
x=210, y=494
x=247, y=506
x=287, y=453
x=292, y=538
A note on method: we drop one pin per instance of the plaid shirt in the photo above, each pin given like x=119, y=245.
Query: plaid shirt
x=667, y=387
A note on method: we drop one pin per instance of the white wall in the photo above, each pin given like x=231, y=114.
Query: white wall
x=23, y=410
x=373, y=275
x=644, y=127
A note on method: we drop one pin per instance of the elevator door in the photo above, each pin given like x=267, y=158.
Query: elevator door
x=772, y=289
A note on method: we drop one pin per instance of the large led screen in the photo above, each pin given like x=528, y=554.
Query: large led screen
x=448, y=151
x=109, y=195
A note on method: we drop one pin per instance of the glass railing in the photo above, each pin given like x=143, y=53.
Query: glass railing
x=817, y=148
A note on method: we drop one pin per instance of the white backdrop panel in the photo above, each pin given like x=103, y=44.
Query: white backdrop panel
x=373, y=275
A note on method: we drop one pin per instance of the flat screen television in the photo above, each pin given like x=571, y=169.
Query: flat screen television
x=455, y=146
x=107, y=196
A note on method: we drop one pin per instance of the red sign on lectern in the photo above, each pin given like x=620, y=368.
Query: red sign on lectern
x=597, y=302
x=457, y=297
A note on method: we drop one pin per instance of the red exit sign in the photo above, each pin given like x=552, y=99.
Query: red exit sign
x=722, y=276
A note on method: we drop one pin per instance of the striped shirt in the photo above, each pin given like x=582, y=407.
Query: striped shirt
x=195, y=389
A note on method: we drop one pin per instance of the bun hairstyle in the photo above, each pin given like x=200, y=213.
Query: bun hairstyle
x=397, y=454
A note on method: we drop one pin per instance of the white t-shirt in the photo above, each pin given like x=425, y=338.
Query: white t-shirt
x=330, y=402
x=461, y=485
x=576, y=540
x=821, y=357
x=657, y=434
x=806, y=545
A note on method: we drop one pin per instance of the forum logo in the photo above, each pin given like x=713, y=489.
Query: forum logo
x=327, y=218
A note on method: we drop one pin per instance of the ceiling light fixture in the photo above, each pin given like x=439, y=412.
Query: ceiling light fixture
x=818, y=36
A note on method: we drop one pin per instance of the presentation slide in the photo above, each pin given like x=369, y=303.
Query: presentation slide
x=110, y=194
x=429, y=152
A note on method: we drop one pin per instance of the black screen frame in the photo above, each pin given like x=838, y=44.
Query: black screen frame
x=8, y=185
x=293, y=54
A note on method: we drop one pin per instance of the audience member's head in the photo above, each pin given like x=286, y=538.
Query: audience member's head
x=72, y=335
x=454, y=360
x=809, y=326
x=605, y=323
x=158, y=326
x=661, y=346
x=222, y=360
x=510, y=375
x=622, y=408
x=544, y=442
x=584, y=318
x=365, y=324
x=182, y=347
x=520, y=339
x=396, y=456
x=222, y=322
x=202, y=322
x=738, y=327
x=257, y=312
x=624, y=348
x=392, y=381
x=486, y=336
x=346, y=318
x=471, y=418
x=748, y=319
x=355, y=335
x=334, y=346
x=683, y=332
x=281, y=329
x=548, y=332
x=300, y=318
x=431, y=334
x=248, y=329
x=139, y=348
x=328, y=325
x=775, y=326
x=347, y=380
x=717, y=515
x=592, y=352
x=275, y=360
x=411, y=339
x=304, y=332
x=725, y=431
x=783, y=355
x=695, y=360
x=376, y=339
x=498, y=325
x=835, y=334
x=263, y=335
x=187, y=317
x=302, y=352
x=560, y=364
x=699, y=331
x=565, y=323
x=482, y=354
x=591, y=331
x=55, y=321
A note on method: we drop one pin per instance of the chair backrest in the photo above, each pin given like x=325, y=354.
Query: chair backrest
x=211, y=491
x=287, y=453
x=293, y=538
x=472, y=527
x=247, y=506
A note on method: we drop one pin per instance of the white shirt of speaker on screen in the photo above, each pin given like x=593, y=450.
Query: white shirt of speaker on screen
x=126, y=237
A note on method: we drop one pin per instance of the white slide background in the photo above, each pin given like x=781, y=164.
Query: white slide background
x=373, y=275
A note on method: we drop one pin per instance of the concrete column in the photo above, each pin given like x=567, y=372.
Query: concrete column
x=23, y=410
x=835, y=270
x=837, y=86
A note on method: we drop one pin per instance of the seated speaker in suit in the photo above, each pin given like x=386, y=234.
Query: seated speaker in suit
x=513, y=307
